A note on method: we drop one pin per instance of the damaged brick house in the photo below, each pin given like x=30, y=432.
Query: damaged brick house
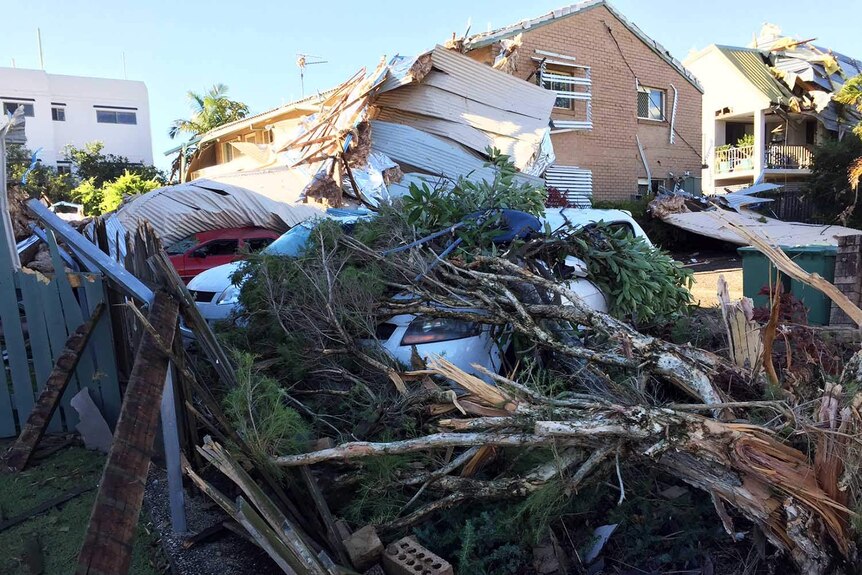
x=766, y=106
x=627, y=115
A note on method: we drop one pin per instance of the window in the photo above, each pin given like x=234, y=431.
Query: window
x=573, y=85
x=220, y=248
x=10, y=107
x=183, y=245
x=558, y=81
x=58, y=114
x=116, y=117
x=229, y=152
x=651, y=103
x=64, y=168
x=257, y=244
x=650, y=187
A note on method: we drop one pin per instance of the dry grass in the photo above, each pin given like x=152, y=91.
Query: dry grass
x=705, y=286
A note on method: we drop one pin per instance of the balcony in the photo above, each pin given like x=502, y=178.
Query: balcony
x=734, y=159
x=780, y=157
x=739, y=160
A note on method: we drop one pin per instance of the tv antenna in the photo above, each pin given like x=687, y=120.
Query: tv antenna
x=303, y=60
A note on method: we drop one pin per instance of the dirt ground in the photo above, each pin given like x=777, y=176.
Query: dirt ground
x=708, y=266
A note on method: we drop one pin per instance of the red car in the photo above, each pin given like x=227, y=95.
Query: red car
x=205, y=250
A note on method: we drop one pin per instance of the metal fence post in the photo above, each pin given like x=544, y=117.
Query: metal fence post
x=171, y=440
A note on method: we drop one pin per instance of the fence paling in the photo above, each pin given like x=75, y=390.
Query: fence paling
x=37, y=332
x=103, y=350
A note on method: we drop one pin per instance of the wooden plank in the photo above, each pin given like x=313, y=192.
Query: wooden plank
x=37, y=331
x=13, y=335
x=106, y=384
x=325, y=514
x=278, y=553
x=45, y=506
x=300, y=552
x=107, y=546
x=32, y=431
x=264, y=535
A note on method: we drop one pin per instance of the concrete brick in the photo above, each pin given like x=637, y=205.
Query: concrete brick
x=407, y=557
x=364, y=547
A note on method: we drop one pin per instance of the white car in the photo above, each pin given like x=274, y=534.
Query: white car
x=463, y=343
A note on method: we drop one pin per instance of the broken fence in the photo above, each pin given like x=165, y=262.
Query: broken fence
x=37, y=315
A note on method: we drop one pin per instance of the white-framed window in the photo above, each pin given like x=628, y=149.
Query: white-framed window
x=64, y=167
x=9, y=107
x=573, y=86
x=651, y=103
x=129, y=117
x=58, y=113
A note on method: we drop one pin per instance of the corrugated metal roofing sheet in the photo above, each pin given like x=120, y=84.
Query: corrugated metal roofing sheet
x=575, y=183
x=750, y=63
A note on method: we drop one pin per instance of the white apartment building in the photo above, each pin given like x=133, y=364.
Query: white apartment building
x=62, y=110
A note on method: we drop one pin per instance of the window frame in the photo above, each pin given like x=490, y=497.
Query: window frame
x=58, y=113
x=102, y=114
x=207, y=246
x=649, y=90
x=29, y=107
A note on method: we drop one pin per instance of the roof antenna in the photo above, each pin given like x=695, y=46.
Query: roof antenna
x=39, y=45
x=303, y=60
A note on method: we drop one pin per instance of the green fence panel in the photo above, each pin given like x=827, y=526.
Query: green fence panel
x=102, y=345
x=37, y=332
x=13, y=337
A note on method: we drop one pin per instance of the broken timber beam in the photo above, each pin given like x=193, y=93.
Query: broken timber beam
x=19, y=454
x=107, y=546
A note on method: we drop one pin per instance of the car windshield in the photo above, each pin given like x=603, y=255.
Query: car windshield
x=291, y=243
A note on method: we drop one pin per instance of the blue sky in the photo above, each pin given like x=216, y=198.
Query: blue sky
x=251, y=46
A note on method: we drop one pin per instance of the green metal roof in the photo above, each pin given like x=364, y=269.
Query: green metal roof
x=750, y=63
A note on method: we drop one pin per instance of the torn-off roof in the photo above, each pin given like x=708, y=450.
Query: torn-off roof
x=750, y=62
x=485, y=38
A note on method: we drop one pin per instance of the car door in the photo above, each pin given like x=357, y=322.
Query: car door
x=209, y=255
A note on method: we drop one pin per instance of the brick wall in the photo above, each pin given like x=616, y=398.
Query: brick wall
x=610, y=149
x=848, y=276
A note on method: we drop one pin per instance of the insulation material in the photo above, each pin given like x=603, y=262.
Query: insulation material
x=507, y=57
x=377, y=173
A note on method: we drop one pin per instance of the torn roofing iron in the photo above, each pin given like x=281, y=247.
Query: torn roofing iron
x=483, y=39
x=176, y=212
x=752, y=65
x=424, y=119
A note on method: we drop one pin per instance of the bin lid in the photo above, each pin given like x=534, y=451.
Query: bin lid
x=795, y=250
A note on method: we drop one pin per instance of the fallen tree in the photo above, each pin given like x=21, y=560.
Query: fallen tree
x=584, y=390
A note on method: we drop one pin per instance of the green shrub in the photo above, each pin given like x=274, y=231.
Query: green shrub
x=643, y=283
x=431, y=209
x=258, y=412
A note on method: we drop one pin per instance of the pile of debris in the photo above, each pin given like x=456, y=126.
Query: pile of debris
x=426, y=119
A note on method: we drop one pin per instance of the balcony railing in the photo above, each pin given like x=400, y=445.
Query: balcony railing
x=734, y=159
x=776, y=157
x=780, y=157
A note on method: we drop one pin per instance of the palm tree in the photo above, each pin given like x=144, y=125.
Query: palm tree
x=209, y=110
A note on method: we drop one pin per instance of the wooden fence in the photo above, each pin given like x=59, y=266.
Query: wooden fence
x=37, y=314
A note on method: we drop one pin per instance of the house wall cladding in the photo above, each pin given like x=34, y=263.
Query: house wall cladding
x=610, y=148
